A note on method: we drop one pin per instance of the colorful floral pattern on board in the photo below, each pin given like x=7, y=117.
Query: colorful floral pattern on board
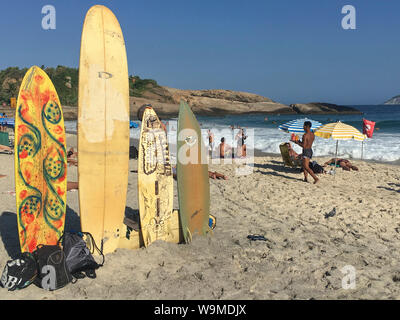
x=40, y=162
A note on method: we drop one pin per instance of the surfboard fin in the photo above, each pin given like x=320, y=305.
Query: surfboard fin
x=188, y=238
x=212, y=222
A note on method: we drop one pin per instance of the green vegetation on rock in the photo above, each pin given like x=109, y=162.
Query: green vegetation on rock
x=137, y=86
x=10, y=80
x=66, y=82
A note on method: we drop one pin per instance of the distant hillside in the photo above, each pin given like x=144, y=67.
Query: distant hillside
x=394, y=100
x=165, y=100
x=66, y=81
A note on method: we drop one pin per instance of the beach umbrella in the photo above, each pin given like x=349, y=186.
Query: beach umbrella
x=7, y=122
x=339, y=131
x=296, y=126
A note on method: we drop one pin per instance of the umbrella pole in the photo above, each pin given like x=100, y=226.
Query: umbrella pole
x=337, y=143
x=362, y=150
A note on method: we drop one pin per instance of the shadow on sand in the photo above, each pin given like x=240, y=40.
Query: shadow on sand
x=9, y=233
x=72, y=221
x=278, y=167
x=394, y=185
x=9, y=227
x=9, y=230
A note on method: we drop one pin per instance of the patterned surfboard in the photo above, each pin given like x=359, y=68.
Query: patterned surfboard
x=40, y=162
x=155, y=182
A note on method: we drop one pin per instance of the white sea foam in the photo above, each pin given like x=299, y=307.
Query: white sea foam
x=382, y=147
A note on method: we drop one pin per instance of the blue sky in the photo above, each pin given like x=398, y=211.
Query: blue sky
x=289, y=50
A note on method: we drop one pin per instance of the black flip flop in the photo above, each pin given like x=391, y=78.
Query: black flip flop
x=256, y=238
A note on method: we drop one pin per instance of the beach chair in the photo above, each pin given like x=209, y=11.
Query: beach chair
x=4, y=139
x=287, y=160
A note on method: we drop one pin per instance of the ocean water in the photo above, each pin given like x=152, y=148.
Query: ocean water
x=264, y=135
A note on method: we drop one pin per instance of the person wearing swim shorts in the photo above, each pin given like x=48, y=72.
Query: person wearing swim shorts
x=306, y=143
x=224, y=149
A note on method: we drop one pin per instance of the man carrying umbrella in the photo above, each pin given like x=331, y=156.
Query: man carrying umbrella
x=306, y=144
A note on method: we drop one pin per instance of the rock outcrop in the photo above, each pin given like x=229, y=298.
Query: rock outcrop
x=322, y=108
x=7, y=83
x=166, y=102
x=208, y=102
x=394, y=100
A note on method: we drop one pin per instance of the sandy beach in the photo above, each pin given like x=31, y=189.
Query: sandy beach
x=302, y=258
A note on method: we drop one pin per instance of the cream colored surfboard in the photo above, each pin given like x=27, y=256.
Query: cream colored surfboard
x=103, y=128
x=155, y=181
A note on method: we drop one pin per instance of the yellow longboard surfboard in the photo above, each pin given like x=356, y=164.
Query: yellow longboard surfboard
x=155, y=181
x=40, y=162
x=103, y=128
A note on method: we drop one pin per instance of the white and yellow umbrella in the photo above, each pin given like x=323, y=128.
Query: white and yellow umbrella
x=339, y=131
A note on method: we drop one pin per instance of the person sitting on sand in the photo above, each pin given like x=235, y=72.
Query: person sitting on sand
x=343, y=163
x=224, y=149
x=5, y=149
x=293, y=154
x=213, y=175
x=72, y=157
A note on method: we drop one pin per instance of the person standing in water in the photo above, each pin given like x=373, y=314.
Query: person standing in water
x=210, y=141
x=306, y=143
x=241, y=146
x=224, y=149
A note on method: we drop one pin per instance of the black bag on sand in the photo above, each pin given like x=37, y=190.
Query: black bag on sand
x=79, y=258
x=19, y=273
x=53, y=273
